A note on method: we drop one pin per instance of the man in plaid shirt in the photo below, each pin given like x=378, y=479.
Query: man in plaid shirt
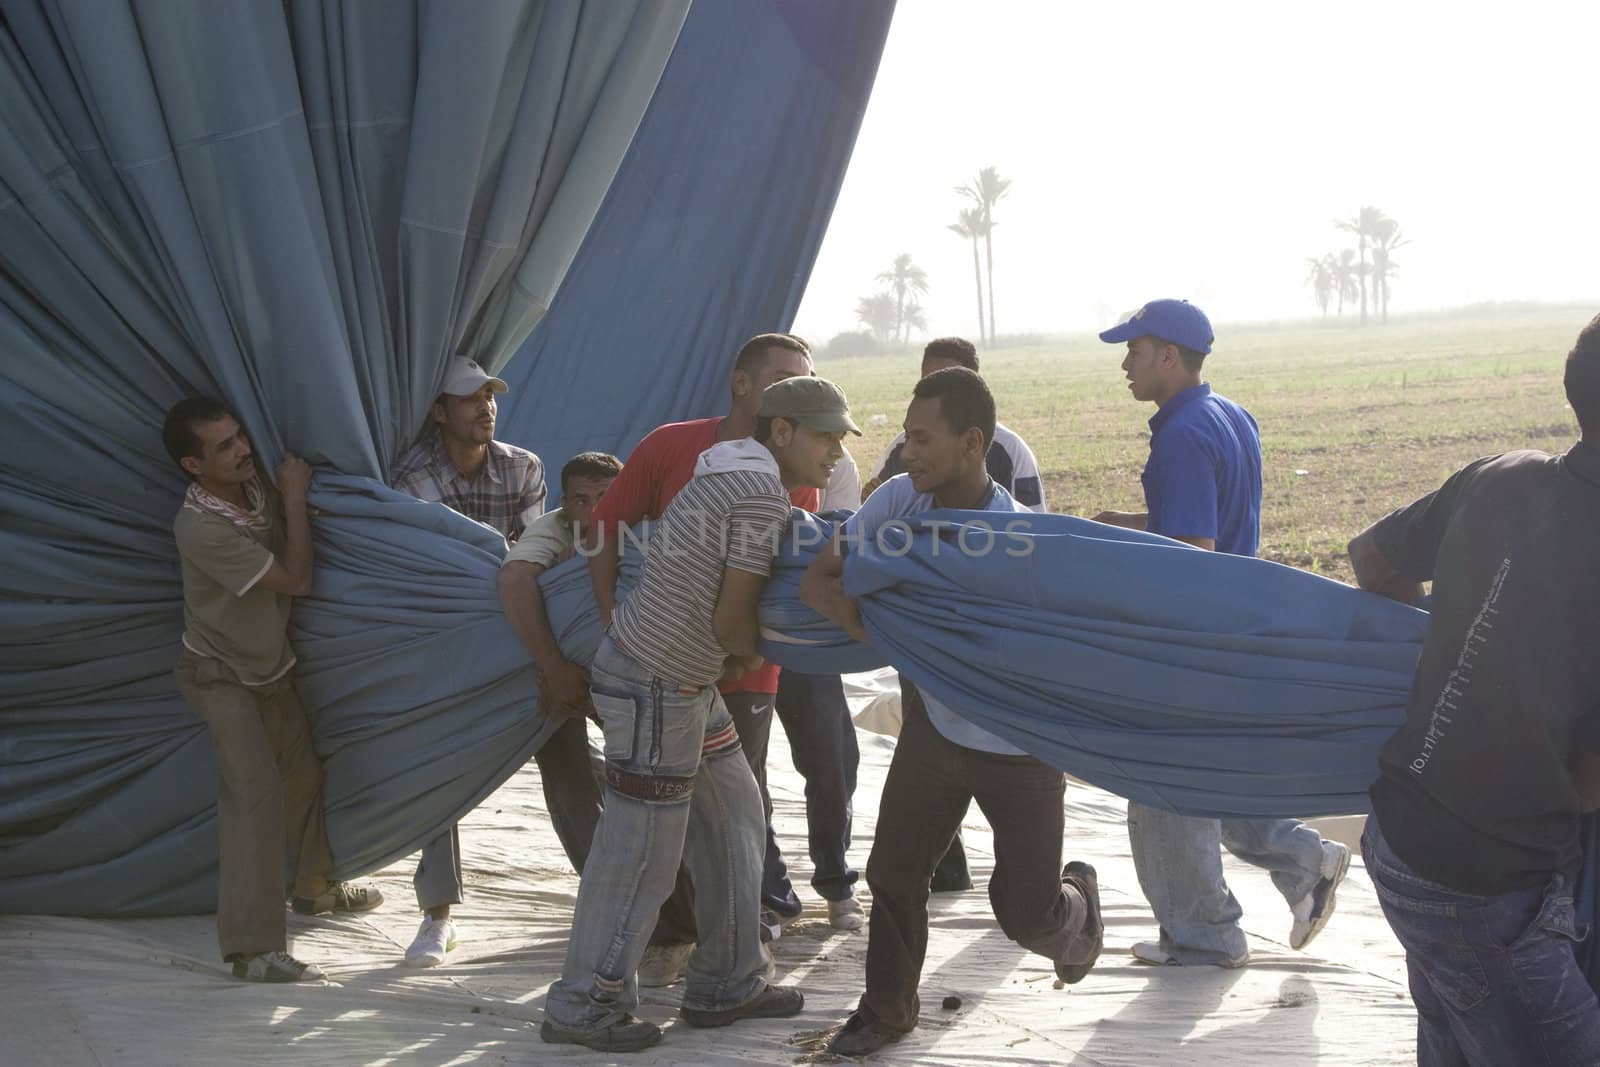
x=459, y=464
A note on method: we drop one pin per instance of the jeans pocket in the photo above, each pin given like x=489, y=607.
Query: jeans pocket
x=1557, y=919
x=619, y=720
x=1435, y=944
x=1548, y=980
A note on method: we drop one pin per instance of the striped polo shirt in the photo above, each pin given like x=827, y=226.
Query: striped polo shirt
x=732, y=513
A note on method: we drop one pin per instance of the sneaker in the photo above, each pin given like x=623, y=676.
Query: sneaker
x=772, y=1002
x=1082, y=877
x=340, y=898
x=663, y=964
x=846, y=914
x=772, y=924
x=1152, y=953
x=435, y=938
x=627, y=1034
x=1312, y=911
x=275, y=967
x=858, y=1037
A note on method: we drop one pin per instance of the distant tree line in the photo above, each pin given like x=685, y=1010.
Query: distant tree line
x=895, y=310
x=1351, y=273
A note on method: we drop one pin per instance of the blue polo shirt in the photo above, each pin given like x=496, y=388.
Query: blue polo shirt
x=1203, y=478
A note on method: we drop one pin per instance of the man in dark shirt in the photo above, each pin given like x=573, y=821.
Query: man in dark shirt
x=1473, y=844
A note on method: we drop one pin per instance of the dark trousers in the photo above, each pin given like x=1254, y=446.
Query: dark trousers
x=572, y=774
x=675, y=925
x=1495, y=979
x=931, y=781
x=269, y=800
x=822, y=741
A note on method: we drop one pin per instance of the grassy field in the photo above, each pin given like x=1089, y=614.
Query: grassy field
x=1354, y=422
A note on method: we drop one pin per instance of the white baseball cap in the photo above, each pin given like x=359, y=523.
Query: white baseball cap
x=463, y=377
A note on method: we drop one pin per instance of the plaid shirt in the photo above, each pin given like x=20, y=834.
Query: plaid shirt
x=508, y=494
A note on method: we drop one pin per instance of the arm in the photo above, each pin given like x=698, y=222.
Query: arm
x=563, y=685
x=605, y=564
x=291, y=575
x=1128, y=520
x=734, y=619
x=1396, y=554
x=530, y=502
x=1588, y=781
x=1027, y=484
x=624, y=503
x=1376, y=574
x=822, y=589
x=1180, y=484
x=1586, y=760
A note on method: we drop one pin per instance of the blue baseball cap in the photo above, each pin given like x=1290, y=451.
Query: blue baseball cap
x=1175, y=321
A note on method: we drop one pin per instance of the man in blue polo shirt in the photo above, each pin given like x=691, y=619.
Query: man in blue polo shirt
x=1202, y=485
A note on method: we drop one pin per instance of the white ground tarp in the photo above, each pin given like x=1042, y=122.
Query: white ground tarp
x=151, y=991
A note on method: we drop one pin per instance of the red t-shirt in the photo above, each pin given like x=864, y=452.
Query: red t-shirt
x=658, y=467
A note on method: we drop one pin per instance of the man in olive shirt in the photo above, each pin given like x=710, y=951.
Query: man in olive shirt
x=246, y=551
x=1474, y=843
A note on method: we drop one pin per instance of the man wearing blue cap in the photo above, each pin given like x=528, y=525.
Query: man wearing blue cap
x=1202, y=485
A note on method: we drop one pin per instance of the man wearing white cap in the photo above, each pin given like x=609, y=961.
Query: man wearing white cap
x=459, y=464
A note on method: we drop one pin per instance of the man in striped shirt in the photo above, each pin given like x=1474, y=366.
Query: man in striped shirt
x=678, y=786
x=657, y=469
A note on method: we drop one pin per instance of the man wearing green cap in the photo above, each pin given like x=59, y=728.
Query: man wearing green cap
x=678, y=786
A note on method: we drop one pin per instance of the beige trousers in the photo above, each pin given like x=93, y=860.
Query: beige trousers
x=269, y=799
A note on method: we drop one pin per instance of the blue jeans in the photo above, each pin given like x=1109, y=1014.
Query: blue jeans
x=1179, y=863
x=1495, y=979
x=677, y=788
x=822, y=741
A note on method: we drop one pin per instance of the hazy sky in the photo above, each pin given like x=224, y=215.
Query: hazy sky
x=1203, y=151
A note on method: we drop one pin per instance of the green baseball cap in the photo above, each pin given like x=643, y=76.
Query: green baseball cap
x=813, y=402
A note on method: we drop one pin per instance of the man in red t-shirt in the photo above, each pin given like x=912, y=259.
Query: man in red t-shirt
x=658, y=467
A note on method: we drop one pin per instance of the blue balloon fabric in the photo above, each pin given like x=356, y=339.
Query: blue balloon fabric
x=1193, y=681
x=708, y=233
x=305, y=209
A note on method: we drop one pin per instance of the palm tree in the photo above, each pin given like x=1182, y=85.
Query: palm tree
x=1320, y=278
x=970, y=225
x=984, y=191
x=904, y=277
x=1368, y=221
x=1385, y=239
x=1345, y=271
x=879, y=314
x=913, y=317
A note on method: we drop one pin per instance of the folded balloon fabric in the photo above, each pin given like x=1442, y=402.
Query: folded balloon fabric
x=1194, y=681
x=1203, y=683
x=1207, y=684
